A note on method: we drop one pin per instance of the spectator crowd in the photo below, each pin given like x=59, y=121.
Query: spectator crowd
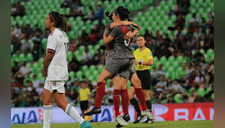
x=195, y=85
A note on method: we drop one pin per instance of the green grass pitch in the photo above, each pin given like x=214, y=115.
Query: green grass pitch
x=166, y=124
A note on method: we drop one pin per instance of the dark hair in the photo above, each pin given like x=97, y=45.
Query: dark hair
x=59, y=19
x=108, y=14
x=141, y=35
x=121, y=11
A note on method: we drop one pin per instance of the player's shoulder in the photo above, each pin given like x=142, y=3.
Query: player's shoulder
x=147, y=49
x=136, y=50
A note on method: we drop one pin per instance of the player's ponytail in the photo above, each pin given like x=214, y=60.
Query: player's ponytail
x=64, y=23
x=123, y=13
x=109, y=15
x=59, y=19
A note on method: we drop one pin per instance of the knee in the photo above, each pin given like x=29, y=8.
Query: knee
x=137, y=83
x=62, y=105
x=46, y=101
x=118, y=86
x=131, y=96
x=101, y=80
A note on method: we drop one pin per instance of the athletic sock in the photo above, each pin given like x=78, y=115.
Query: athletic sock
x=99, y=94
x=72, y=112
x=149, y=105
x=139, y=93
x=47, y=112
x=125, y=101
x=116, y=101
x=134, y=102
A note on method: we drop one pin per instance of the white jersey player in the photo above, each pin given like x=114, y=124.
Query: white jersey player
x=56, y=71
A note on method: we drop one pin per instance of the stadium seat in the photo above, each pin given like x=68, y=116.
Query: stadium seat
x=201, y=92
x=181, y=59
x=29, y=57
x=176, y=64
x=155, y=60
x=171, y=59
x=163, y=60
x=210, y=53
x=79, y=75
x=84, y=68
x=178, y=98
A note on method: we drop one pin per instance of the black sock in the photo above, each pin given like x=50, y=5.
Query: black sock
x=135, y=104
x=149, y=105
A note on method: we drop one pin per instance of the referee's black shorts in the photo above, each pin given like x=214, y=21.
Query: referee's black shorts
x=84, y=105
x=145, y=78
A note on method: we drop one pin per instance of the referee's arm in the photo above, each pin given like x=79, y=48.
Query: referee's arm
x=147, y=63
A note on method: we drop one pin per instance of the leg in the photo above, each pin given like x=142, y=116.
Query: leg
x=60, y=100
x=101, y=87
x=131, y=92
x=138, y=90
x=82, y=111
x=139, y=93
x=116, y=94
x=124, y=96
x=147, y=99
x=47, y=108
x=120, y=86
x=133, y=101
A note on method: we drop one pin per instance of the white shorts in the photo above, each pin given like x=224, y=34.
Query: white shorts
x=55, y=85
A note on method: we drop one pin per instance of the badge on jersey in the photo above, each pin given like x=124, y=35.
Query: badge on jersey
x=141, y=60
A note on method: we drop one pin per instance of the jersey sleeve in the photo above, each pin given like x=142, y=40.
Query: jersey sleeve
x=115, y=31
x=88, y=91
x=51, y=45
x=135, y=54
x=149, y=55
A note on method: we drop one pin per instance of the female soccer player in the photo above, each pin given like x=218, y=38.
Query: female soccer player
x=56, y=71
x=121, y=61
x=143, y=61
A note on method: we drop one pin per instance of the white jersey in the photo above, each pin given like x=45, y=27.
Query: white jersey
x=58, y=43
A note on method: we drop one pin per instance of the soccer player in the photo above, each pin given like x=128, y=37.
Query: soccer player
x=55, y=70
x=143, y=61
x=120, y=58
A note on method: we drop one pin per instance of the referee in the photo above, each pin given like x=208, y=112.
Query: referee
x=143, y=61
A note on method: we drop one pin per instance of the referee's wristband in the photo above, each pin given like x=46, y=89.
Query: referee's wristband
x=139, y=62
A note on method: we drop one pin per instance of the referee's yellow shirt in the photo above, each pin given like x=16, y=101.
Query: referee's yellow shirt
x=84, y=94
x=143, y=56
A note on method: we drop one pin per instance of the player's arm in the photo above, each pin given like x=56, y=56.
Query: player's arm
x=108, y=39
x=78, y=97
x=147, y=63
x=114, y=24
x=131, y=35
x=47, y=61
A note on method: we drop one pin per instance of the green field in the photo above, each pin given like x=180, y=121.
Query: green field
x=167, y=124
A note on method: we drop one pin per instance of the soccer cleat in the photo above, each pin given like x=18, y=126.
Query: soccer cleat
x=123, y=120
x=149, y=121
x=93, y=111
x=139, y=119
x=148, y=114
x=119, y=125
x=85, y=124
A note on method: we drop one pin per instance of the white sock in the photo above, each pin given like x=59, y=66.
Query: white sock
x=72, y=112
x=47, y=116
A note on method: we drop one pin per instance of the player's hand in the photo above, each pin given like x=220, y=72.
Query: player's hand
x=44, y=72
x=136, y=25
x=127, y=37
x=136, y=62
